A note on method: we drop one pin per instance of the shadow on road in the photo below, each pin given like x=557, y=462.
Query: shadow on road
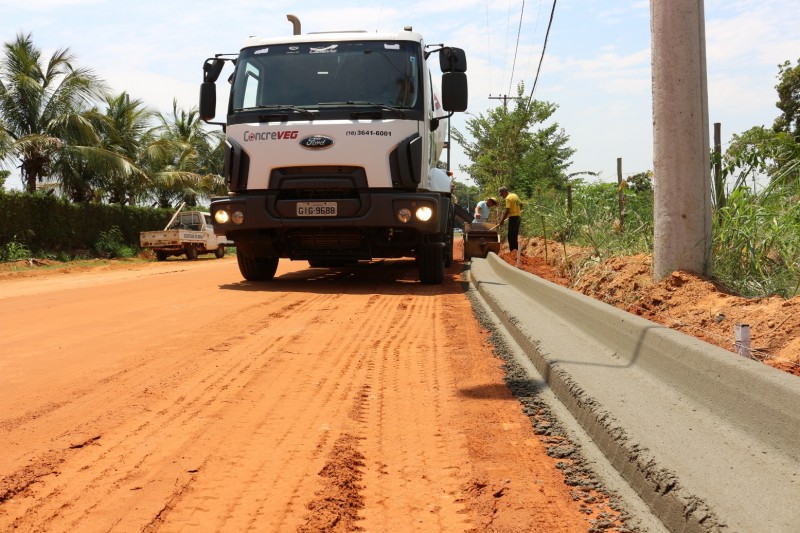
x=388, y=276
x=510, y=390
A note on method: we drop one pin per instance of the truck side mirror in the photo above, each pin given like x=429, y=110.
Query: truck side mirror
x=208, y=100
x=212, y=69
x=454, y=91
x=452, y=59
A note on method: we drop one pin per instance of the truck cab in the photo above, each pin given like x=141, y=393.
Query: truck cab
x=331, y=148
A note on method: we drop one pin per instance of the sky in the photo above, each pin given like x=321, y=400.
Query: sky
x=596, y=67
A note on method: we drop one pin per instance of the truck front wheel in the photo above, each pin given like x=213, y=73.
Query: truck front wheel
x=430, y=261
x=257, y=268
x=219, y=253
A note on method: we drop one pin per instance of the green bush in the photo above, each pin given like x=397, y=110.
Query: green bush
x=49, y=225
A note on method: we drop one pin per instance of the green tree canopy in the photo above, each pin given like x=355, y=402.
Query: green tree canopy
x=515, y=148
x=41, y=105
x=187, y=160
x=774, y=152
x=789, y=99
x=763, y=152
x=126, y=129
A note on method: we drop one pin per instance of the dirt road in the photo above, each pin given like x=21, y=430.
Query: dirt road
x=177, y=397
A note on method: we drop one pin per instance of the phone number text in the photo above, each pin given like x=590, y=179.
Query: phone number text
x=378, y=133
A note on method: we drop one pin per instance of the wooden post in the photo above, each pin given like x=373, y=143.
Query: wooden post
x=569, y=199
x=719, y=185
x=544, y=225
x=741, y=336
x=620, y=196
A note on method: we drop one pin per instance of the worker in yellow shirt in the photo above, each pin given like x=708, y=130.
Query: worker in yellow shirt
x=512, y=213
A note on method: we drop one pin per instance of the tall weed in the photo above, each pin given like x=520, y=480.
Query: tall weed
x=757, y=244
x=111, y=244
x=594, y=219
x=756, y=237
x=14, y=251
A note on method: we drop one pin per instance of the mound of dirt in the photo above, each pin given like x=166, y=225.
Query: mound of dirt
x=683, y=301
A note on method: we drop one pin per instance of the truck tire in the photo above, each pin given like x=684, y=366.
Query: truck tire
x=449, y=238
x=219, y=253
x=430, y=261
x=256, y=268
x=161, y=256
x=191, y=253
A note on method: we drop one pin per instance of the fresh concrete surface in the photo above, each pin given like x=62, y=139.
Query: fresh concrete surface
x=710, y=441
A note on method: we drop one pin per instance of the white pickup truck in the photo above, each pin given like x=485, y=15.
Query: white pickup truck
x=190, y=233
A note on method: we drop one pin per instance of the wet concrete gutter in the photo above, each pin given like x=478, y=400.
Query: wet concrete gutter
x=710, y=441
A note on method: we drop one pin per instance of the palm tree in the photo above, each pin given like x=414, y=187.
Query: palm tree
x=187, y=158
x=41, y=105
x=125, y=130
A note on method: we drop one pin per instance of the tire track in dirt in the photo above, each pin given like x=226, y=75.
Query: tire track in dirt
x=347, y=399
x=329, y=379
x=409, y=482
x=32, y=472
x=178, y=410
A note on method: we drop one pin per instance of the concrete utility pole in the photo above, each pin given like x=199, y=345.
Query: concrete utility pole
x=681, y=160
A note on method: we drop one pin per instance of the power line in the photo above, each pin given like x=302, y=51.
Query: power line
x=516, y=48
x=488, y=45
x=544, y=47
x=533, y=40
x=508, y=28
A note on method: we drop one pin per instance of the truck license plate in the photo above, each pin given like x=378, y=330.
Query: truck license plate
x=316, y=209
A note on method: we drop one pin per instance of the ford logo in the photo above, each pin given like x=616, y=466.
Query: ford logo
x=316, y=142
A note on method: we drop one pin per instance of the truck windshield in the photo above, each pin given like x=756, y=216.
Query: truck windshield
x=357, y=73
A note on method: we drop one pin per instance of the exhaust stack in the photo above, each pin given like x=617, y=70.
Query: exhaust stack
x=295, y=24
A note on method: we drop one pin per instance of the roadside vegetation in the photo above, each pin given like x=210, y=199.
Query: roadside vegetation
x=97, y=166
x=755, y=191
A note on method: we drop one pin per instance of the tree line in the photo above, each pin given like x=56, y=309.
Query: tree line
x=68, y=132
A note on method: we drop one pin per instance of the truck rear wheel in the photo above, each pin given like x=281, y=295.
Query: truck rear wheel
x=257, y=268
x=161, y=256
x=191, y=253
x=430, y=261
x=219, y=253
x=448, y=244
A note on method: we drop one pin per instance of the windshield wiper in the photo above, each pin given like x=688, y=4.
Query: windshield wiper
x=372, y=105
x=303, y=111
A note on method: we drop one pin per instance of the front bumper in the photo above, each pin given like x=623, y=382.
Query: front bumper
x=365, y=227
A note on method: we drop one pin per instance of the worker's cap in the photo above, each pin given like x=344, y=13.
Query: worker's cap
x=503, y=189
x=493, y=200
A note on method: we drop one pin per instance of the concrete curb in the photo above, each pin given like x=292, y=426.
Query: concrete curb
x=708, y=439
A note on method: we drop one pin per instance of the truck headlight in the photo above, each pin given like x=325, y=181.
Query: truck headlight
x=237, y=217
x=424, y=213
x=404, y=215
x=221, y=217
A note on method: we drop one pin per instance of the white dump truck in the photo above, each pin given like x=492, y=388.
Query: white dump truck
x=189, y=233
x=332, y=142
